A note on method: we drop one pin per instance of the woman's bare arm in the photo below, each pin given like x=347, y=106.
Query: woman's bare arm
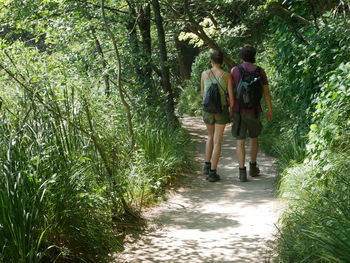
x=229, y=82
x=203, y=77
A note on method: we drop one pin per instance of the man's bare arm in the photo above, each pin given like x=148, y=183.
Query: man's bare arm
x=267, y=97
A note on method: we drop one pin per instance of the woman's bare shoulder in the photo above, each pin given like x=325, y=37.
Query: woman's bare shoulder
x=227, y=75
x=205, y=74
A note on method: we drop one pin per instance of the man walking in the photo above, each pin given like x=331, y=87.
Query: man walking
x=248, y=81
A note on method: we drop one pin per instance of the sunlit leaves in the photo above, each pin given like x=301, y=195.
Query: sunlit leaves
x=332, y=114
x=193, y=39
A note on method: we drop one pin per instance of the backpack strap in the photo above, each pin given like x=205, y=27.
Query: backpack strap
x=257, y=70
x=223, y=73
x=210, y=77
x=241, y=70
x=217, y=81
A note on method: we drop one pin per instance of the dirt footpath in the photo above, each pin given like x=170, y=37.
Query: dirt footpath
x=226, y=221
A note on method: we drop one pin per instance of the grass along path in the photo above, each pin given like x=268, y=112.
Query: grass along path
x=226, y=221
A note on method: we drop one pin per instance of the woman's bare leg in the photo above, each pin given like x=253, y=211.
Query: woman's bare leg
x=210, y=142
x=218, y=133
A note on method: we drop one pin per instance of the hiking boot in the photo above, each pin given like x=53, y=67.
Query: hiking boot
x=206, y=168
x=243, y=174
x=213, y=176
x=253, y=170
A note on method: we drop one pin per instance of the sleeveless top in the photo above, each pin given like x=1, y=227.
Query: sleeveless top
x=222, y=86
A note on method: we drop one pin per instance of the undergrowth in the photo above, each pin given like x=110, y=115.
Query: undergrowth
x=70, y=181
x=310, y=138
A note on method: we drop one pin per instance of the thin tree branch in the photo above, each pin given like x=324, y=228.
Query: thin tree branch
x=119, y=86
x=106, y=7
x=197, y=29
x=283, y=12
x=103, y=63
x=58, y=114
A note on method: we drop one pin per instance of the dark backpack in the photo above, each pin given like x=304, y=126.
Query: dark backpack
x=212, y=100
x=250, y=89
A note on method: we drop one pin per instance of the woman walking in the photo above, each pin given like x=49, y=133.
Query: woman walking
x=216, y=122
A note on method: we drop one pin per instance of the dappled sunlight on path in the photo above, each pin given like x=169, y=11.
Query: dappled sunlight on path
x=226, y=221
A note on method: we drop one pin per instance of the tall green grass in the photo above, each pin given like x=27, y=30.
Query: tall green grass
x=70, y=184
x=22, y=227
x=21, y=207
x=52, y=205
x=163, y=154
x=315, y=226
x=288, y=145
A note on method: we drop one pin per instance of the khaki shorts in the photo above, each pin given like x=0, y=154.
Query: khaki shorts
x=250, y=126
x=216, y=118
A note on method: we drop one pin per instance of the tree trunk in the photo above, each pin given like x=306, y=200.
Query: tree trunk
x=170, y=108
x=144, y=24
x=134, y=43
x=185, y=73
x=142, y=50
x=322, y=6
x=291, y=19
x=145, y=28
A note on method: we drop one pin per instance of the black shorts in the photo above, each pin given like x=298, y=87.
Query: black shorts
x=249, y=125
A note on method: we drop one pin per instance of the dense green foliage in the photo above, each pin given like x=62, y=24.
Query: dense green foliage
x=89, y=135
x=191, y=98
x=68, y=177
x=315, y=225
x=83, y=146
x=306, y=59
x=311, y=138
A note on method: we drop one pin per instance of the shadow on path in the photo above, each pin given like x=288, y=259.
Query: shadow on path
x=226, y=221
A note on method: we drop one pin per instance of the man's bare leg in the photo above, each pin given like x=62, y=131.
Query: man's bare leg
x=253, y=168
x=254, y=149
x=240, y=150
x=241, y=160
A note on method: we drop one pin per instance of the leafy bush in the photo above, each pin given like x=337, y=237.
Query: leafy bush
x=315, y=226
x=330, y=131
x=67, y=170
x=309, y=73
x=190, y=101
x=298, y=70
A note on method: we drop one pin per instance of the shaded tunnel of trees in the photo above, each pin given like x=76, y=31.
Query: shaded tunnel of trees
x=91, y=93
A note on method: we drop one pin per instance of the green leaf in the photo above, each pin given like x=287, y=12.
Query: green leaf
x=313, y=127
